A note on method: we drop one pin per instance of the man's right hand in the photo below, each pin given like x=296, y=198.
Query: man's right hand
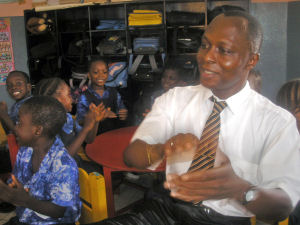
x=181, y=142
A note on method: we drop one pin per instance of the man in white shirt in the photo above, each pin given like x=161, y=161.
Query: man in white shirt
x=256, y=170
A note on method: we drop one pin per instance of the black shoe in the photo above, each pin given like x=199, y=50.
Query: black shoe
x=6, y=207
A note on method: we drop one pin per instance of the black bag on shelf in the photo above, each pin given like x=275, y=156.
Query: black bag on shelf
x=186, y=40
x=181, y=18
x=76, y=47
x=43, y=49
x=76, y=25
x=111, y=45
x=143, y=75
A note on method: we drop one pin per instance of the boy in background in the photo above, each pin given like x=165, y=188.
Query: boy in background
x=19, y=88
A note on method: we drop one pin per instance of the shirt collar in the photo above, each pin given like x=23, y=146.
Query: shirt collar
x=234, y=102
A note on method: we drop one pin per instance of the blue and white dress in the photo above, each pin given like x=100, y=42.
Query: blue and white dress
x=55, y=181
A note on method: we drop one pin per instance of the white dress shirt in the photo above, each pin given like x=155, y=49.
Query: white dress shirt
x=260, y=139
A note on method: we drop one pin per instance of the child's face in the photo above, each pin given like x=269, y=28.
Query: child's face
x=169, y=80
x=25, y=130
x=17, y=87
x=98, y=73
x=63, y=94
x=297, y=115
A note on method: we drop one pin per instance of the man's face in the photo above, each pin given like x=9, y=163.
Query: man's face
x=224, y=57
x=17, y=87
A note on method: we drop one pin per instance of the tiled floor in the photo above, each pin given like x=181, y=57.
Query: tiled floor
x=125, y=195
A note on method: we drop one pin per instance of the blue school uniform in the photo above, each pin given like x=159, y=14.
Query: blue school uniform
x=55, y=181
x=70, y=130
x=111, y=98
x=14, y=110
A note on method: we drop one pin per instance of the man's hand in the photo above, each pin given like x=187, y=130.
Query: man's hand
x=216, y=183
x=181, y=143
x=14, y=193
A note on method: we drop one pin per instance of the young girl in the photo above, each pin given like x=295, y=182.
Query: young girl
x=44, y=185
x=72, y=134
x=98, y=93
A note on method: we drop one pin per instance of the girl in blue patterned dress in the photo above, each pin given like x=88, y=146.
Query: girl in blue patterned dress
x=72, y=135
x=44, y=185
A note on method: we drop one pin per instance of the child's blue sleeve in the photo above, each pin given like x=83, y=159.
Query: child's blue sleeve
x=64, y=191
x=120, y=102
x=82, y=108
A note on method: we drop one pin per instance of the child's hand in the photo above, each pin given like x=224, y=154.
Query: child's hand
x=89, y=120
x=15, y=183
x=100, y=112
x=123, y=114
x=3, y=108
x=16, y=195
x=110, y=114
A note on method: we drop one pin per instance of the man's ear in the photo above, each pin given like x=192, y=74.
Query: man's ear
x=38, y=130
x=253, y=60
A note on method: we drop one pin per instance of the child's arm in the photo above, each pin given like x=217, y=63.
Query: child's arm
x=7, y=123
x=122, y=109
x=89, y=129
x=18, y=196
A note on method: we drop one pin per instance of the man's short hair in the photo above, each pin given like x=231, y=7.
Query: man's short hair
x=25, y=75
x=47, y=112
x=255, y=34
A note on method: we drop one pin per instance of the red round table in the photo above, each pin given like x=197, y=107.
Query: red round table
x=107, y=150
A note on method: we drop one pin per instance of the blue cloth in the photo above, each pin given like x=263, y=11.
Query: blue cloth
x=69, y=125
x=14, y=110
x=107, y=99
x=69, y=131
x=55, y=181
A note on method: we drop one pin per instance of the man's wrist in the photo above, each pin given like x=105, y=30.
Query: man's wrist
x=249, y=195
x=154, y=153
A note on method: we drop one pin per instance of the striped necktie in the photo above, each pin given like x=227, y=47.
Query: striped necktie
x=204, y=157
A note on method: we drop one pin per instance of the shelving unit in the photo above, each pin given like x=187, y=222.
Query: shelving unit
x=71, y=25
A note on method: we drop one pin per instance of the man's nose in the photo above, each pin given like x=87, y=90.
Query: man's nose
x=209, y=55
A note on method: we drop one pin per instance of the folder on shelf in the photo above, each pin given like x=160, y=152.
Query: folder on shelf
x=144, y=18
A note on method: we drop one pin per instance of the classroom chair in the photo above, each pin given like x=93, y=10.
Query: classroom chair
x=283, y=222
x=93, y=197
x=13, y=148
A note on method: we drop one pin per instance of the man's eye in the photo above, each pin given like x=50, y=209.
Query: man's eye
x=204, y=46
x=225, y=51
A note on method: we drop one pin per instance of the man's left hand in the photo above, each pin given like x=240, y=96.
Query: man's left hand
x=216, y=183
